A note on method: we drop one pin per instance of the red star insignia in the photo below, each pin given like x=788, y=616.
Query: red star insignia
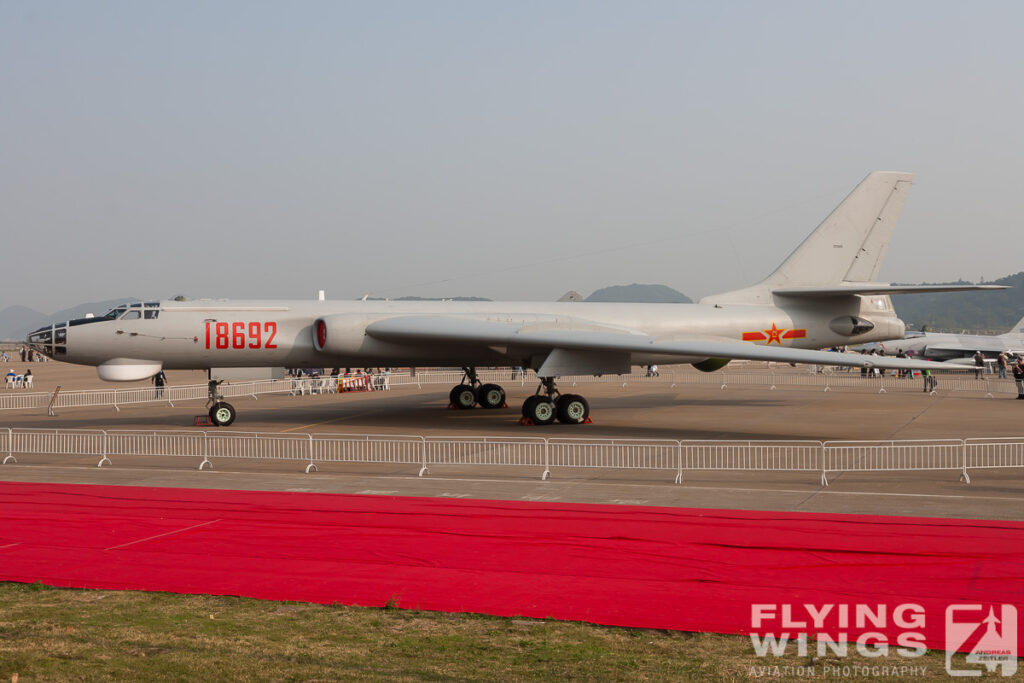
x=774, y=335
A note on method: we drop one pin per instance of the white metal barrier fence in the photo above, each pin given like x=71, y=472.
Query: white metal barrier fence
x=825, y=458
x=324, y=386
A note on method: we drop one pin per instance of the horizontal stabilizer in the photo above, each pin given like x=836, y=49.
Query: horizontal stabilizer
x=874, y=288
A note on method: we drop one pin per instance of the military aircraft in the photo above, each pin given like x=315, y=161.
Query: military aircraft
x=824, y=294
x=941, y=346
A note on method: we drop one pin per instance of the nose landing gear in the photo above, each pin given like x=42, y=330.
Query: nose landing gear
x=222, y=413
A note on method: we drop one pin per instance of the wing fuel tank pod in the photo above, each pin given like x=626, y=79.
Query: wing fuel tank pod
x=128, y=369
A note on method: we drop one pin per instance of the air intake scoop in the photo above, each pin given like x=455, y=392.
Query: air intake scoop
x=850, y=325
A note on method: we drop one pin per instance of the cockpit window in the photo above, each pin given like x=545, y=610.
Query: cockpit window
x=133, y=314
x=114, y=313
x=151, y=313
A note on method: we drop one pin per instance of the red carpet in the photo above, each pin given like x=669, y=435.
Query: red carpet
x=697, y=570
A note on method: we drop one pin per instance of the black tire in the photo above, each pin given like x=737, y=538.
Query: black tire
x=222, y=414
x=527, y=405
x=491, y=396
x=539, y=409
x=462, y=396
x=573, y=409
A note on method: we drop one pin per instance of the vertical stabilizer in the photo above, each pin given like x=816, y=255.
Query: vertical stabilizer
x=848, y=246
x=1018, y=328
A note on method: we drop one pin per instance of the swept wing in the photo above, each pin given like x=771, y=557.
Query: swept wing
x=462, y=331
x=874, y=289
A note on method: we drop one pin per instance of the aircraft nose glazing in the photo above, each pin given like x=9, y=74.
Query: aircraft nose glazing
x=50, y=340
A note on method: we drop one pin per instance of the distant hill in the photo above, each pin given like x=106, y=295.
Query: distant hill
x=429, y=298
x=17, y=321
x=449, y=298
x=977, y=312
x=15, y=318
x=635, y=293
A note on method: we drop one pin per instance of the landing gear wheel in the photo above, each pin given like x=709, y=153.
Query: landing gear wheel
x=222, y=414
x=573, y=409
x=539, y=410
x=462, y=396
x=528, y=405
x=491, y=396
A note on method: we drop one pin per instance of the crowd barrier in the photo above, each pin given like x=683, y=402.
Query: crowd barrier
x=826, y=458
x=324, y=386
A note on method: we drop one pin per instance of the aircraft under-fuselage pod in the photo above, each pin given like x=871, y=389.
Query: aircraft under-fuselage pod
x=824, y=294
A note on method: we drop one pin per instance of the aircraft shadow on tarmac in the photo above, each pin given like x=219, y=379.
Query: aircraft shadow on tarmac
x=426, y=413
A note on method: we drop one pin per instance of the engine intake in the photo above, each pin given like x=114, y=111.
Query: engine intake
x=850, y=325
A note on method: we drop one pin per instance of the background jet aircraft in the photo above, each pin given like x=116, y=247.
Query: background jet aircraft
x=942, y=346
x=824, y=294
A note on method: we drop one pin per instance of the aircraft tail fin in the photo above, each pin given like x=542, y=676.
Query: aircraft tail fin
x=846, y=247
x=1018, y=328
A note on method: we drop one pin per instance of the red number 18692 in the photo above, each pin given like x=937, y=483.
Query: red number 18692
x=241, y=335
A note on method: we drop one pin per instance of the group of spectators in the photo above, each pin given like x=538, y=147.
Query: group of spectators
x=875, y=372
x=27, y=354
x=14, y=380
x=362, y=378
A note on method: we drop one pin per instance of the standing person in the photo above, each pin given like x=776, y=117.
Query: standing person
x=160, y=379
x=929, y=381
x=979, y=364
x=1001, y=362
x=22, y=354
x=1018, y=377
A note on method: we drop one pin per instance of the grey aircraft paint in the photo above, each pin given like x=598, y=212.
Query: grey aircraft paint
x=823, y=295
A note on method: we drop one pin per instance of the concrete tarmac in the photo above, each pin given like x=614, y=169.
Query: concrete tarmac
x=638, y=411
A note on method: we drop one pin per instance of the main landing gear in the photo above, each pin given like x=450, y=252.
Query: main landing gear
x=470, y=392
x=544, y=408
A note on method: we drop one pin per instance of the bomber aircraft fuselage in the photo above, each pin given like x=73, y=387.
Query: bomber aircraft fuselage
x=824, y=294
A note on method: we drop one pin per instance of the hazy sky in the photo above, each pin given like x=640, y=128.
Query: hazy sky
x=512, y=150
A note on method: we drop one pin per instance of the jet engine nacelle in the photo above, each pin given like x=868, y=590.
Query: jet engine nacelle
x=344, y=335
x=850, y=325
